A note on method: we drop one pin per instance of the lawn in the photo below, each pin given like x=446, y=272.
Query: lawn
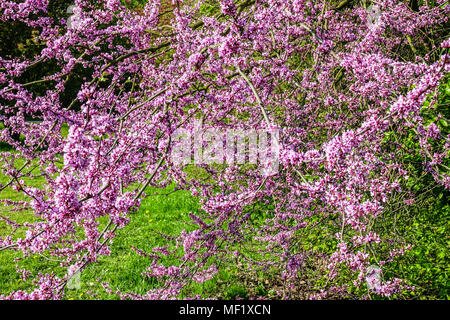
x=163, y=211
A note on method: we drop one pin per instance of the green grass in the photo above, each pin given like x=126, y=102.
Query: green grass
x=122, y=269
x=167, y=214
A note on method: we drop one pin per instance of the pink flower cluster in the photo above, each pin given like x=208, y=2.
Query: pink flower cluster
x=336, y=85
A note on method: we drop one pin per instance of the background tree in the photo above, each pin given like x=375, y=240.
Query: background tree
x=358, y=100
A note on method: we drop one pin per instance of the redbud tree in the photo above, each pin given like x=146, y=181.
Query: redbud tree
x=347, y=84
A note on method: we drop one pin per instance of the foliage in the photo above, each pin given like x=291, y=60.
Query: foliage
x=358, y=93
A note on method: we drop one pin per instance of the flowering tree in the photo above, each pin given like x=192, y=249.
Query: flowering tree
x=346, y=84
